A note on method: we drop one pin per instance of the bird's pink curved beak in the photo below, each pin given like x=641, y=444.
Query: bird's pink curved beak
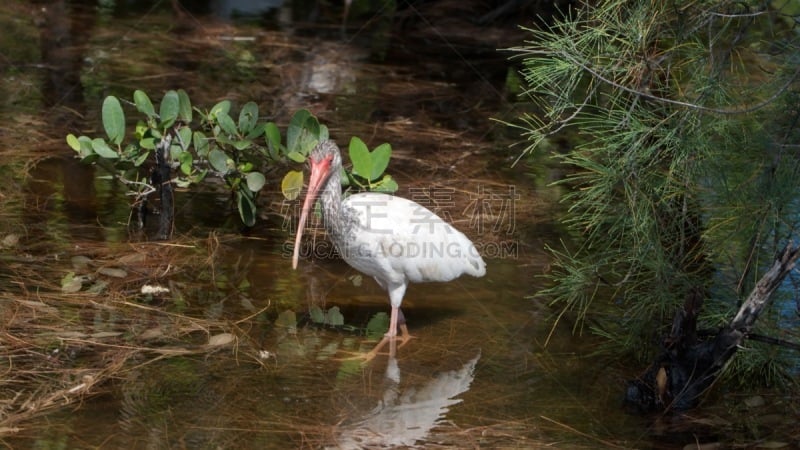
x=319, y=174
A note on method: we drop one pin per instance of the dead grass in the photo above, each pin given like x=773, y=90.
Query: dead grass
x=54, y=355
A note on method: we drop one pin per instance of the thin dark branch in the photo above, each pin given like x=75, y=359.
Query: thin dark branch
x=755, y=107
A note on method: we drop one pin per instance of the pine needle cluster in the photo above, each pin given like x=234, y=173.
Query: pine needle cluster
x=684, y=173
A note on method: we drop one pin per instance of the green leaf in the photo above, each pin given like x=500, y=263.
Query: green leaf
x=141, y=129
x=380, y=160
x=387, y=184
x=141, y=158
x=292, y=184
x=101, y=148
x=296, y=157
x=185, y=106
x=255, y=181
x=256, y=131
x=200, y=142
x=185, y=159
x=200, y=176
x=247, y=208
x=242, y=145
x=148, y=143
x=360, y=157
x=227, y=124
x=273, y=135
x=248, y=117
x=90, y=158
x=296, y=126
x=222, y=107
x=170, y=107
x=323, y=133
x=218, y=160
x=175, y=151
x=143, y=103
x=185, y=135
x=113, y=119
x=73, y=142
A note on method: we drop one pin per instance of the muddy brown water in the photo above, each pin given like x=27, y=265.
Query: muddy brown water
x=477, y=374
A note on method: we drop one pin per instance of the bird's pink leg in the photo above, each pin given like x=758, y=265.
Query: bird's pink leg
x=391, y=335
x=393, y=324
x=405, y=336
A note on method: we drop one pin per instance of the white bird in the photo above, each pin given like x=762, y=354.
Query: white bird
x=392, y=239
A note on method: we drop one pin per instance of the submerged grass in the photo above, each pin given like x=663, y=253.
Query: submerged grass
x=58, y=347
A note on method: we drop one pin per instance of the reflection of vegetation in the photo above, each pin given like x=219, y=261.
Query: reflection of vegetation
x=686, y=177
x=332, y=317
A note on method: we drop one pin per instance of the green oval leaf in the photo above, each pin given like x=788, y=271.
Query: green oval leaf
x=73, y=142
x=148, y=143
x=143, y=103
x=295, y=129
x=256, y=131
x=323, y=133
x=218, y=160
x=360, y=157
x=113, y=119
x=170, y=107
x=85, y=147
x=141, y=158
x=184, y=106
x=292, y=184
x=200, y=142
x=296, y=157
x=185, y=158
x=227, y=124
x=380, y=160
x=242, y=145
x=273, y=135
x=185, y=137
x=221, y=107
x=247, y=208
x=387, y=184
x=101, y=148
x=248, y=117
x=255, y=181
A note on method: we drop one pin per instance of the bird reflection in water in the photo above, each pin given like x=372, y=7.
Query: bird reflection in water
x=405, y=416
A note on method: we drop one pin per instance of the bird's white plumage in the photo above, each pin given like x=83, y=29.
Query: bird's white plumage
x=397, y=241
x=393, y=239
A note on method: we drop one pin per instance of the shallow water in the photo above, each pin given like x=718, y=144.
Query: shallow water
x=477, y=374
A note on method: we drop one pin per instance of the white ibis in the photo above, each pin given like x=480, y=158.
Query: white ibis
x=392, y=239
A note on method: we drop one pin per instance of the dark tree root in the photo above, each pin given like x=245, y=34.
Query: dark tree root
x=686, y=367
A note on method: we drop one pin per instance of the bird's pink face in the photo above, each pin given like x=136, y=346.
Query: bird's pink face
x=320, y=169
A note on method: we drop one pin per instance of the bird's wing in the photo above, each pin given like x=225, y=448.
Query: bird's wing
x=399, y=236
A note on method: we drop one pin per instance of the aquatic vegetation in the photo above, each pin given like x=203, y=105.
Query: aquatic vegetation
x=197, y=143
